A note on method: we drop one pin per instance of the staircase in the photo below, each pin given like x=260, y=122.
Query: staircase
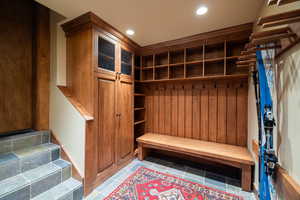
x=31, y=168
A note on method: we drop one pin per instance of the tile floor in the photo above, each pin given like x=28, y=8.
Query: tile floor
x=185, y=171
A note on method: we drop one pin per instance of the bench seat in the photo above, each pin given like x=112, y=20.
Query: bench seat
x=231, y=155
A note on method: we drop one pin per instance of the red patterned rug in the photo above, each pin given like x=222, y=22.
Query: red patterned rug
x=148, y=184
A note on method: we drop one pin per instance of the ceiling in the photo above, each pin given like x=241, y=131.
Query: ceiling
x=161, y=20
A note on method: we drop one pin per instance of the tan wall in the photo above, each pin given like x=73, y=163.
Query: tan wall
x=66, y=123
x=287, y=101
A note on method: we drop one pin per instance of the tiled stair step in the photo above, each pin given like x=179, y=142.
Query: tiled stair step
x=15, y=142
x=70, y=189
x=34, y=182
x=22, y=160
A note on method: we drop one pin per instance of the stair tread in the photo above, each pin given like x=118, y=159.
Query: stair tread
x=35, y=149
x=63, y=190
x=12, y=184
x=21, y=141
x=32, y=176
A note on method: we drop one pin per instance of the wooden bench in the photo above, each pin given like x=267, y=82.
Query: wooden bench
x=226, y=154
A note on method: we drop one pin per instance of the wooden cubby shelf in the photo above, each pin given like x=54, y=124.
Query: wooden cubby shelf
x=206, y=61
x=137, y=109
x=139, y=95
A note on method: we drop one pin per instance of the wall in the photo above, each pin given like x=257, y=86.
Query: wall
x=213, y=111
x=287, y=101
x=66, y=123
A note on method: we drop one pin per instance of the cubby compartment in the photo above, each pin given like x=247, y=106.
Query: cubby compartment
x=215, y=68
x=161, y=59
x=177, y=57
x=147, y=61
x=232, y=69
x=177, y=71
x=161, y=73
x=137, y=74
x=139, y=115
x=234, y=48
x=147, y=74
x=194, y=70
x=194, y=54
x=214, y=51
x=139, y=101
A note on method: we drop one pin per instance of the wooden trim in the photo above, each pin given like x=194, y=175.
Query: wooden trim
x=287, y=48
x=66, y=156
x=277, y=17
x=270, y=32
x=90, y=19
x=83, y=112
x=255, y=149
x=286, y=186
x=231, y=34
x=282, y=22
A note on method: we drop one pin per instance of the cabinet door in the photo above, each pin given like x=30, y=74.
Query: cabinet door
x=106, y=123
x=125, y=127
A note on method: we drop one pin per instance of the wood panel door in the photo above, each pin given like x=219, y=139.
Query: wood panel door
x=106, y=123
x=125, y=120
x=15, y=65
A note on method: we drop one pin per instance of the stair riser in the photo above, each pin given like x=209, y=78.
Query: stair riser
x=18, y=164
x=41, y=185
x=13, y=143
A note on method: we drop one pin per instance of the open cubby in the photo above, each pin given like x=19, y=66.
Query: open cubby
x=194, y=70
x=147, y=74
x=137, y=74
x=147, y=61
x=214, y=68
x=161, y=59
x=213, y=51
x=194, y=54
x=139, y=101
x=177, y=57
x=177, y=71
x=232, y=69
x=161, y=73
x=139, y=115
x=234, y=48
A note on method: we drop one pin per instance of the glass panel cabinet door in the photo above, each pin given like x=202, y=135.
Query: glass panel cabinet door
x=126, y=62
x=106, y=54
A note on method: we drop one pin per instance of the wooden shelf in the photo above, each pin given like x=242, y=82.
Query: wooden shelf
x=176, y=64
x=210, y=77
x=139, y=122
x=137, y=109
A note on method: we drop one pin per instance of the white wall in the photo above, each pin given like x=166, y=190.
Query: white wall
x=66, y=123
x=287, y=104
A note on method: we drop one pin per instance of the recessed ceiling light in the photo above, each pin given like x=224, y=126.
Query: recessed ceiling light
x=130, y=32
x=202, y=10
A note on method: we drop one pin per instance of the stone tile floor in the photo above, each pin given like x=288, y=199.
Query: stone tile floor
x=188, y=172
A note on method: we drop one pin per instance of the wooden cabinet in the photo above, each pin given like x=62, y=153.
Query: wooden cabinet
x=114, y=104
x=100, y=78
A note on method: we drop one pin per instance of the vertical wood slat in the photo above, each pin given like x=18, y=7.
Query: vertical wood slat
x=181, y=111
x=204, y=114
x=213, y=112
x=242, y=116
x=174, y=107
x=222, y=108
x=188, y=110
x=196, y=112
x=168, y=110
x=200, y=111
x=231, y=116
x=161, y=120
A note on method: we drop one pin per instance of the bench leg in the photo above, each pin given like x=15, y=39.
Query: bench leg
x=142, y=152
x=246, y=178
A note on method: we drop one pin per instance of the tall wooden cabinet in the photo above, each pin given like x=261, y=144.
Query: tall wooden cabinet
x=100, y=77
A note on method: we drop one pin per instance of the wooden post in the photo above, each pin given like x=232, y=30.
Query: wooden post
x=246, y=178
x=142, y=152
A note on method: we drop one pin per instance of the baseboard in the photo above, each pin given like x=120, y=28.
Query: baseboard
x=75, y=172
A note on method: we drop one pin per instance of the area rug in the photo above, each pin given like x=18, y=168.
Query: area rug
x=148, y=184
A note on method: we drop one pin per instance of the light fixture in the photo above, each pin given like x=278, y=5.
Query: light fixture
x=130, y=32
x=202, y=10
